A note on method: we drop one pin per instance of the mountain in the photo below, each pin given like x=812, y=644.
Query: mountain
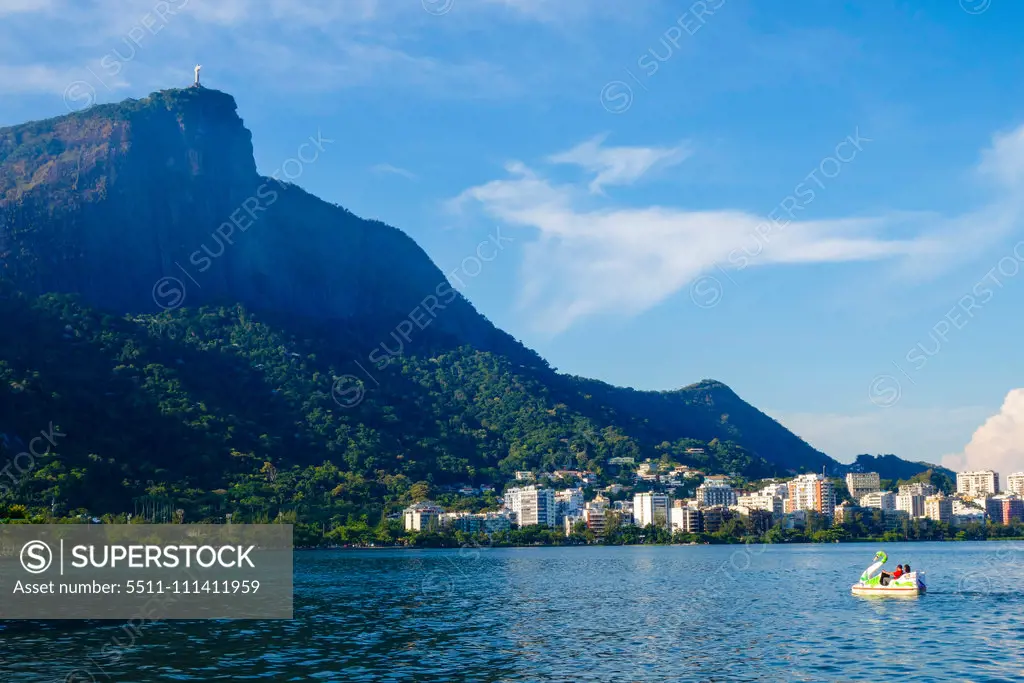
x=220, y=340
x=896, y=469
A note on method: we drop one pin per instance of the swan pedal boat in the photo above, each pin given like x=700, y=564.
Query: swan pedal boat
x=871, y=581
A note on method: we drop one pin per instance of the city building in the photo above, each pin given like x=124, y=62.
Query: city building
x=685, y=518
x=714, y=517
x=845, y=512
x=882, y=500
x=860, y=484
x=762, y=501
x=715, y=491
x=525, y=476
x=624, y=509
x=966, y=512
x=760, y=520
x=980, y=483
x=484, y=522
x=423, y=516
x=910, y=502
x=531, y=505
x=811, y=492
x=1013, y=509
x=596, y=517
x=919, y=488
x=1015, y=483
x=939, y=507
x=651, y=508
x=568, y=503
x=776, y=489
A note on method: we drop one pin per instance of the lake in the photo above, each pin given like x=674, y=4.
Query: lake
x=669, y=613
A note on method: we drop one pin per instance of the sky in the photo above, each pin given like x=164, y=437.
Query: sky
x=818, y=204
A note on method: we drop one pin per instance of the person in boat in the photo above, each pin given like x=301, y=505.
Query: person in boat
x=899, y=572
x=906, y=569
x=885, y=577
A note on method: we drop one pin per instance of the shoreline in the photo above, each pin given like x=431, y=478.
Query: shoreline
x=647, y=545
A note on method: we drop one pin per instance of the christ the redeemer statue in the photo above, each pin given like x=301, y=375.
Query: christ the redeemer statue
x=198, y=67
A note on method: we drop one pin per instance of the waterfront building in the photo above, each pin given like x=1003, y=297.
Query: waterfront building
x=760, y=520
x=845, y=512
x=811, y=492
x=861, y=484
x=776, y=489
x=882, y=500
x=596, y=517
x=484, y=522
x=980, y=483
x=685, y=518
x=1013, y=509
x=531, y=505
x=795, y=520
x=651, y=508
x=919, y=489
x=1015, y=483
x=895, y=519
x=568, y=503
x=715, y=491
x=762, y=501
x=939, y=507
x=423, y=516
x=624, y=509
x=714, y=517
x=910, y=502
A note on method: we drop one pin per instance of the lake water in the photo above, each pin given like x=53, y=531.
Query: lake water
x=691, y=613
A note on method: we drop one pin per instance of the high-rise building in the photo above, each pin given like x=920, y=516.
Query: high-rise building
x=980, y=483
x=715, y=492
x=596, y=517
x=919, y=488
x=568, y=503
x=423, y=516
x=762, y=501
x=531, y=505
x=882, y=500
x=860, y=484
x=811, y=492
x=910, y=502
x=1015, y=483
x=651, y=508
x=1013, y=508
x=939, y=507
x=686, y=519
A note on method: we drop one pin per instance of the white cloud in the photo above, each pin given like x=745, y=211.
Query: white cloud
x=603, y=257
x=915, y=434
x=618, y=165
x=388, y=168
x=998, y=444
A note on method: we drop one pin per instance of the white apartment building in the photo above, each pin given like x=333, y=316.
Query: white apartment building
x=531, y=505
x=686, y=519
x=980, y=483
x=651, y=508
x=811, y=492
x=1015, y=483
x=777, y=490
x=762, y=501
x=939, y=507
x=882, y=500
x=423, y=516
x=569, y=503
x=919, y=489
x=861, y=484
x=714, y=492
x=911, y=503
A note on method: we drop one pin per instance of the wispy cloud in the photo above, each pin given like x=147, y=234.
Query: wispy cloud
x=613, y=258
x=618, y=165
x=395, y=170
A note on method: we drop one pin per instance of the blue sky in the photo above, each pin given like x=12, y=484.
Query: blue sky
x=792, y=200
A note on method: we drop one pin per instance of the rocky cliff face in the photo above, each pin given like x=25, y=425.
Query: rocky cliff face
x=157, y=203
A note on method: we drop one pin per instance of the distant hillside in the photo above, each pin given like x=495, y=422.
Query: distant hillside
x=267, y=383
x=891, y=467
